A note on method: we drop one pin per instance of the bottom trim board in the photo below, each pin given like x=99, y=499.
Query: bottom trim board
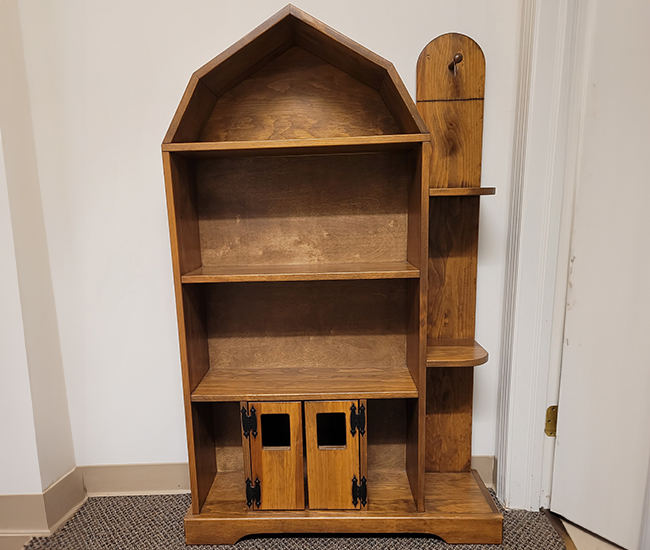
x=458, y=509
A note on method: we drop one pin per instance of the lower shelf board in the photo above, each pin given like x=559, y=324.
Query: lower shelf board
x=304, y=383
x=458, y=509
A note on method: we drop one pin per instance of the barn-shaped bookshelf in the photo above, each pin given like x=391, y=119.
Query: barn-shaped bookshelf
x=297, y=169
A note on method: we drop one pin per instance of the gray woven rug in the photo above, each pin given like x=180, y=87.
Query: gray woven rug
x=156, y=522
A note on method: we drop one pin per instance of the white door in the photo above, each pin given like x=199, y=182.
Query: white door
x=602, y=459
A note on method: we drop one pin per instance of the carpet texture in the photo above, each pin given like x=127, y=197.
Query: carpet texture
x=156, y=522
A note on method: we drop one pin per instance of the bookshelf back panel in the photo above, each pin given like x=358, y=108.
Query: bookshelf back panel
x=297, y=95
x=303, y=209
x=306, y=325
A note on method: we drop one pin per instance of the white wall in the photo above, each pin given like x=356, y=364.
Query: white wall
x=104, y=80
x=30, y=256
x=19, y=471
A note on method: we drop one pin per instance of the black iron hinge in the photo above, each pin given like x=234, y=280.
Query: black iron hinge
x=359, y=491
x=249, y=422
x=357, y=420
x=253, y=493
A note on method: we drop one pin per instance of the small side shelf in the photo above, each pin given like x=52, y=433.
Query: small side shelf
x=278, y=384
x=455, y=353
x=311, y=272
x=362, y=144
x=461, y=191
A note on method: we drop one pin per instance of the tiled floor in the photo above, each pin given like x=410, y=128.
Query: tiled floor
x=586, y=541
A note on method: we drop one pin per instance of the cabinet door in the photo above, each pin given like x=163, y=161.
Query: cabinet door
x=276, y=456
x=333, y=454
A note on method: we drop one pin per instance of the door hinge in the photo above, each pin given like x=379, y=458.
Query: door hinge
x=550, y=427
x=359, y=491
x=357, y=420
x=249, y=422
x=253, y=493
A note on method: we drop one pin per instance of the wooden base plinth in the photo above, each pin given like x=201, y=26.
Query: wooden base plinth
x=458, y=509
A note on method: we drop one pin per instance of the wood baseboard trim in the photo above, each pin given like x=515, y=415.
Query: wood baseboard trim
x=136, y=479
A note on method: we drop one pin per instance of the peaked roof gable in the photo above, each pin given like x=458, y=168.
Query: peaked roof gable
x=288, y=28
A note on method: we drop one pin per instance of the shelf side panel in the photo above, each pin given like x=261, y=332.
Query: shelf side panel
x=296, y=96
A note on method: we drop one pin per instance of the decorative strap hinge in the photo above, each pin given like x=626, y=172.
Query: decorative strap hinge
x=357, y=420
x=359, y=491
x=253, y=493
x=249, y=422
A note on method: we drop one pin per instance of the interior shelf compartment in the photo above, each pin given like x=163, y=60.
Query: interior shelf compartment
x=461, y=191
x=453, y=352
x=281, y=147
x=309, y=272
x=458, y=508
x=301, y=340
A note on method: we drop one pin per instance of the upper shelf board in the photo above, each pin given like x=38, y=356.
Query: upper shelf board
x=365, y=144
x=292, y=78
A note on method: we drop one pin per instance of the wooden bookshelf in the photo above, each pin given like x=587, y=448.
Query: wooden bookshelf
x=318, y=273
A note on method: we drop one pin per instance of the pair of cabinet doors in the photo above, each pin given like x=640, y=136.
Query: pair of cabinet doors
x=330, y=444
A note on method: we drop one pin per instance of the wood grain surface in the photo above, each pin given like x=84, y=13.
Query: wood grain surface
x=449, y=419
x=457, y=511
x=461, y=191
x=279, y=469
x=298, y=95
x=457, y=137
x=453, y=250
x=330, y=469
x=293, y=147
x=434, y=79
x=455, y=353
x=313, y=272
x=303, y=210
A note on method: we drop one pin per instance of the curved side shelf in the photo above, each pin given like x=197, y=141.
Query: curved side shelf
x=461, y=191
x=455, y=353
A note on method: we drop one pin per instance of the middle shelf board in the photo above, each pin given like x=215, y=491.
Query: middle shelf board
x=455, y=353
x=304, y=383
x=309, y=272
x=461, y=191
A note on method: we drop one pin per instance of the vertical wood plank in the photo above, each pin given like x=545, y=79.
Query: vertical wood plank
x=246, y=444
x=279, y=468
x=330, y=468
x=449, y=419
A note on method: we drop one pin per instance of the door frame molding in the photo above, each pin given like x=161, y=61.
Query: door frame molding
x=555, y=39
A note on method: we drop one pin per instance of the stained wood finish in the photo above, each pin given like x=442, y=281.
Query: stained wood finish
x=455, y=353
x=457, y=137
x=453, y=249
x=330, y=469
x=386, y=440
x=287, y=29
x=449, y=419
x=315, y=272
x=461, y=192
x=204, y=451
x=279, y=469
x=298, y=96
x=303, y=210
x=277, y=382
x=457, y=511
x=307, y=325
x=436, y=82
x=293, y=147
x=227, y=437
